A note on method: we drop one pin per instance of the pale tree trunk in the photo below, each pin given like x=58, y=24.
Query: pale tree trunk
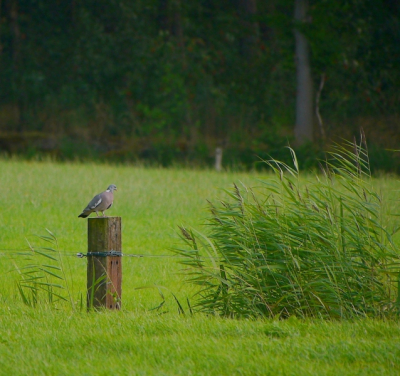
x=304, y=98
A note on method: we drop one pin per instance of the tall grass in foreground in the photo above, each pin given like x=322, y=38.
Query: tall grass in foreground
x=319, y=249
x=41, y=277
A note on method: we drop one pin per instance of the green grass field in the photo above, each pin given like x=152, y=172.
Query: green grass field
x=138, y=341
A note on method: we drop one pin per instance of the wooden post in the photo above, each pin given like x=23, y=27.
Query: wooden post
x=218, y=159
x=104, y=268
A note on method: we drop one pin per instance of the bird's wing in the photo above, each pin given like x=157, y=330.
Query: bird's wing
x=94, y=203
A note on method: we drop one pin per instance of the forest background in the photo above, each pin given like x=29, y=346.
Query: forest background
x=169, y=81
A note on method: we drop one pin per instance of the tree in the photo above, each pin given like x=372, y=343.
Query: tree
x=16, y=47
x=247, y=10
x=304, y=97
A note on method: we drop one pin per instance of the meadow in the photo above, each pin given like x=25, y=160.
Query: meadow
x=61, y=339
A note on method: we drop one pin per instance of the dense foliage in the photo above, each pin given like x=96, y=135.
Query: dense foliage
x=170, y=80
x=316, y=249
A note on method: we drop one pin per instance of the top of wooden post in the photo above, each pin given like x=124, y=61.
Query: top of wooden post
x=90, y=218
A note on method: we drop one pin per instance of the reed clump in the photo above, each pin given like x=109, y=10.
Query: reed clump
x=316, y=249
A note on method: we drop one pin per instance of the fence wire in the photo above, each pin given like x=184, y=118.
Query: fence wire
x=28, y=251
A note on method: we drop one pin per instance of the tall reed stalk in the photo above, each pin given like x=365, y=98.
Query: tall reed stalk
x=314, y=249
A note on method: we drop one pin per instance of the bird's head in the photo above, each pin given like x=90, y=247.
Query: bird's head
x=112, y=187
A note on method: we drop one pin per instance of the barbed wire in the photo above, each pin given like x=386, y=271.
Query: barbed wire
x=27, y=251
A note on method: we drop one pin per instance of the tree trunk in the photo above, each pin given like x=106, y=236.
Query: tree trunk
x=1, y=46
x=170, y=20
x=16, y=45
x=178, y=32
x=163, y=16
x=16, y=33
x=177, y=29
x=247, y=9
x=304, y=98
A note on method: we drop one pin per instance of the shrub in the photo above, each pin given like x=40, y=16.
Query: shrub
x=314, y=249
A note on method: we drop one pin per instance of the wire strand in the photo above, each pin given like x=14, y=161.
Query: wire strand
x=28, y=251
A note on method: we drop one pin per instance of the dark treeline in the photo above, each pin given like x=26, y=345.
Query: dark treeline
x=171, y=80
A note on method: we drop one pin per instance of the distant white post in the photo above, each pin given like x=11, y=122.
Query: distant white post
x=218, y=159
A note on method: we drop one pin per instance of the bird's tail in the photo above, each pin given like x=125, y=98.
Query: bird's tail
x=82, y=215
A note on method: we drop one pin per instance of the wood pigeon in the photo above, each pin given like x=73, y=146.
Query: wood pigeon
x=100, y=202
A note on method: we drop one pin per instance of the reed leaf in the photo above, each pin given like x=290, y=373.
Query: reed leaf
x=39, y=281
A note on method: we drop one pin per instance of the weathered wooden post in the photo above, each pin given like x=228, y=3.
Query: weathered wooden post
x=104, y=268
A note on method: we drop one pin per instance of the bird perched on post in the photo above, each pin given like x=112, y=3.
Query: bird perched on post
x=100, y=202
